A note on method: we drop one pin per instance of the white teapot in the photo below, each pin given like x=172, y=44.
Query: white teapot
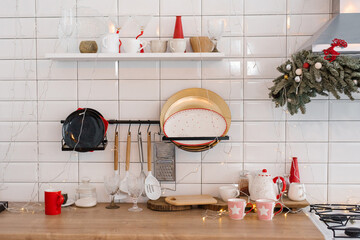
x=263, y=186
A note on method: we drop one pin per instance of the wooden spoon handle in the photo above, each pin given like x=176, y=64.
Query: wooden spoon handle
x=149, y=153
x=128, y=147
x=116, y=152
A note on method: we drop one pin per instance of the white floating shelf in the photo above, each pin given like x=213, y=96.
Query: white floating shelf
x=133, y=56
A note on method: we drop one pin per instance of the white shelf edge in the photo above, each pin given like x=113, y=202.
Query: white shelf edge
x=133, y=56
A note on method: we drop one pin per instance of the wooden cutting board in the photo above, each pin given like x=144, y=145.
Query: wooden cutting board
x=184, y=200
x=220, y=205
x=161, y=205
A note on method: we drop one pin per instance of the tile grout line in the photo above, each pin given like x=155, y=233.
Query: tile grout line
x=37, y=109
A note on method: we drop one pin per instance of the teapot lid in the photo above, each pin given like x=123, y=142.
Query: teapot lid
x=264, y=173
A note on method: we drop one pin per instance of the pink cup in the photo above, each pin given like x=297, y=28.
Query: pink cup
x=265, y=209
x=236, y=208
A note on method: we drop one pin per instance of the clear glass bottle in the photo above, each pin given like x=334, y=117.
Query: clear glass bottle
x=244, y=183
x=86, y=194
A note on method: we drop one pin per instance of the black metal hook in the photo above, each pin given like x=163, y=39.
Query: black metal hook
x=116, y=127
x=148, y=127
x=139, y=128
x=129, y=128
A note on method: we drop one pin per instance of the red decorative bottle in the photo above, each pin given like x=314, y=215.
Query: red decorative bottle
x=294, y=171
x=178, y=31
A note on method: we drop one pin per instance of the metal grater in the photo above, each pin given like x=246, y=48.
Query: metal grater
x=164, y=158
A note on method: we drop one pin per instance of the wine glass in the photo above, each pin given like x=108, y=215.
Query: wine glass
x=67, y=24
x=135, y=188
x=215, y=30
x=112, y=187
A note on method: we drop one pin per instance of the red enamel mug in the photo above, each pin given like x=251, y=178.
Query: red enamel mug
x=53, y=201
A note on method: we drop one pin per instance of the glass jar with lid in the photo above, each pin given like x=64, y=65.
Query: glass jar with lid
x=86, y=194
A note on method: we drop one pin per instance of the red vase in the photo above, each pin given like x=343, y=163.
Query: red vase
x=294, y=171
x=178, y=31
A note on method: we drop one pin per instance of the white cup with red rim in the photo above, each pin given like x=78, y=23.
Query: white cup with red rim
x=265, y=209
x=236, y=207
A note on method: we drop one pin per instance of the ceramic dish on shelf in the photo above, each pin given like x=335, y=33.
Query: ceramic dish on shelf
x=195, y=122
x=197, y=148
x=195, y=98
x=195, y=112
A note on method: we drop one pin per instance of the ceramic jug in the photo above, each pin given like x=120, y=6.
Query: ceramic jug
x=263, y=186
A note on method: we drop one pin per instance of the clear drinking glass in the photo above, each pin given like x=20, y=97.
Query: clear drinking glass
x=135, y=188
x=215, y=30
x=67, y=24
x=112, y=187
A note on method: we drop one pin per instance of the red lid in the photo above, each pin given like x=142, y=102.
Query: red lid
x=264, y=171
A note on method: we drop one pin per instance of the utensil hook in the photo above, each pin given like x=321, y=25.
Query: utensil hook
x=129, y=128
x=148, y=127
x=139, y=132
x=116, y=127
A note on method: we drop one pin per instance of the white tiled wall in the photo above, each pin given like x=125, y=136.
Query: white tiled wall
x=35, y=94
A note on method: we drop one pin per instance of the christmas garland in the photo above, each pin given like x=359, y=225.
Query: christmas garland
x=308, y=74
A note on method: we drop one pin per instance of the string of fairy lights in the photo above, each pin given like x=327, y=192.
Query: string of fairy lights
x=34, y=206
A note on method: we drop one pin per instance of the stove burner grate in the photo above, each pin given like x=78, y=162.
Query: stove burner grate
x=336, y=218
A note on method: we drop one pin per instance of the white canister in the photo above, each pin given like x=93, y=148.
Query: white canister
x=110, y=43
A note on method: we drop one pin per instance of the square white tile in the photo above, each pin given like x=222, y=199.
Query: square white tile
x=139, y=89
x=264, y=131
x=17, y=90
x=267, y=7
x=180, y=70
x=260, y=46
x=224, y=7
x=306, y=24
x=98, y=90
x=262, y=110
x=138, y=7
x=265, y=25
x=264, y=152
x=185, y=7
x=307, y=131
x=21, y=8
x=18, y=152
x=221, y=172
x=139, y=70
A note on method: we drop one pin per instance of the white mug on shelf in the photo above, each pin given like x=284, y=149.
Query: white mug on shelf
x=177, y=45
x=110, y=43
x=133, y=45
x=297, y=192
x=227, y=192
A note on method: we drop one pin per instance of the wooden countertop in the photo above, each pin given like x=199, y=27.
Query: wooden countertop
x=104, y=224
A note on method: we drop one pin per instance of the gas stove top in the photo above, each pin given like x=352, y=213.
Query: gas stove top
x=342, y=219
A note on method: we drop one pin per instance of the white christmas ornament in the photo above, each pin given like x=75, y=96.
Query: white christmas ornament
x=318, y=65
x=298, y=71
x=288, y=67
x=319, y=79
x=297, y=79
x=355, y=82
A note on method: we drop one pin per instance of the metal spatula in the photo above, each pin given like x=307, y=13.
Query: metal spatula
x=141, y=157
x=152, y=185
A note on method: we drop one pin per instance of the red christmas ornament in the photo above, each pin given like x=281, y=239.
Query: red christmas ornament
x=294, y=171
x=330, y=53
x=178, y=31
x=306, y=65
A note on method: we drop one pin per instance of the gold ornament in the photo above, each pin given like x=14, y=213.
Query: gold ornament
x=286, y=77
